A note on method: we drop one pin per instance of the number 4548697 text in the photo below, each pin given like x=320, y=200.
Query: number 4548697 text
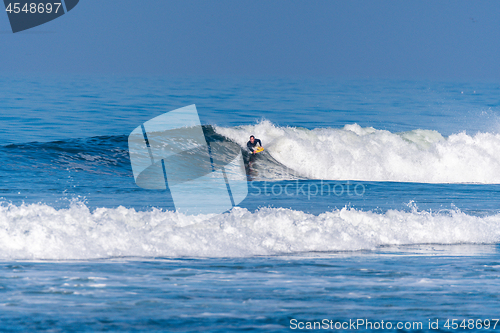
x=33, y=8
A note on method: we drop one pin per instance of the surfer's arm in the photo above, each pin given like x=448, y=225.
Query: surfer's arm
x=259, y=142
x=249, y=146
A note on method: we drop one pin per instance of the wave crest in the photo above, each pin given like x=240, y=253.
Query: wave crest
x=368, y=154
x=39, y=231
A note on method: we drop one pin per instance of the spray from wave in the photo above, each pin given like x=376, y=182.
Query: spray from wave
x=39, y=231
x=369, y=154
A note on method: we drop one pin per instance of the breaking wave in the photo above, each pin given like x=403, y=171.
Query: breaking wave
x=369, y=154
x=39, y=231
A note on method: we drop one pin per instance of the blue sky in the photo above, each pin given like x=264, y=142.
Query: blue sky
x=347, y=39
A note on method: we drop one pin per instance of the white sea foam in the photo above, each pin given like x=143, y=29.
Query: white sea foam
x=39, y=231
x=369, y=154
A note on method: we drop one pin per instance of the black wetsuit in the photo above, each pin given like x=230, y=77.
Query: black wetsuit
x=251, y=146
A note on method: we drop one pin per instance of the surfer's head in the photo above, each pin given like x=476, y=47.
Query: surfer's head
x=252, y=138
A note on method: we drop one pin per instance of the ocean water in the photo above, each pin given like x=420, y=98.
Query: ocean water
x=375, y=200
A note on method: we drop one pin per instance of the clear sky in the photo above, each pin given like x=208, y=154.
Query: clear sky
x=347, y=39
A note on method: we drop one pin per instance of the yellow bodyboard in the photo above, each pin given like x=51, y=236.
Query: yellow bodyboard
x=258, y=150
